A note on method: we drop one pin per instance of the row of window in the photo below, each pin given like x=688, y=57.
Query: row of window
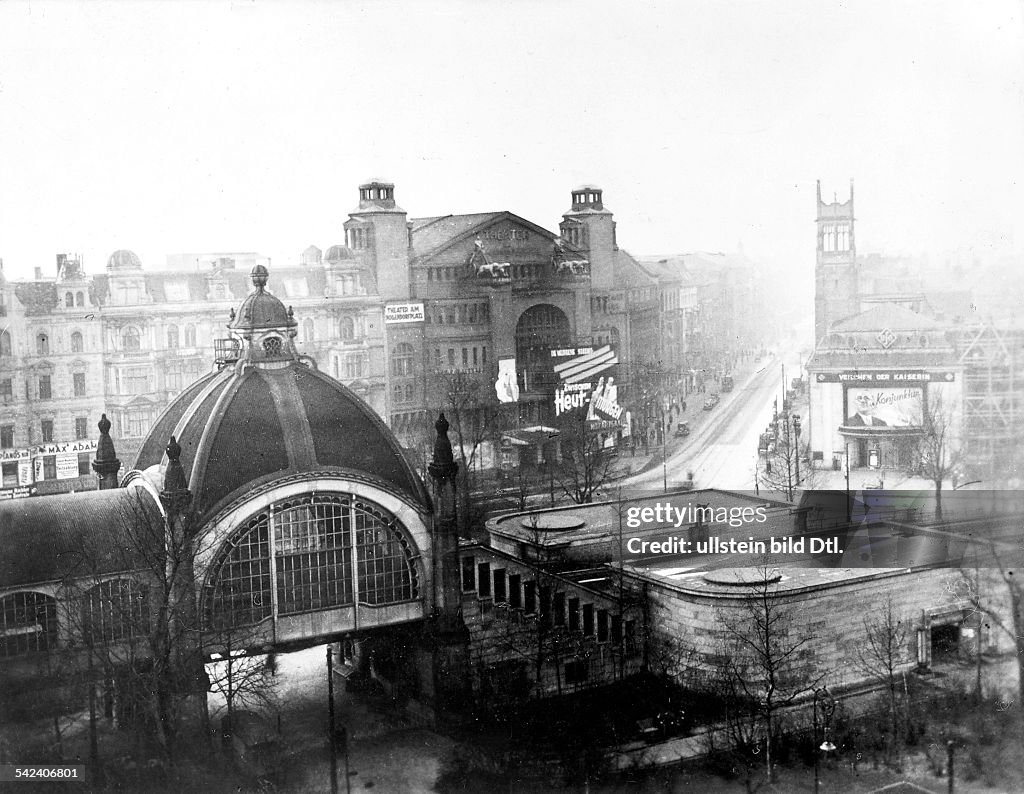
x=44, y=386
x=458, y=313
x=110, y=611
x=353, y=365
x=475, y=356
x=835, y=237
x=552, y=607
x=45, y=432
x=73, y=300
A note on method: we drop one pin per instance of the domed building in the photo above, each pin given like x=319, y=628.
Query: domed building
x=280, y=509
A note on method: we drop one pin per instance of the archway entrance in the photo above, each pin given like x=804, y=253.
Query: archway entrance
x=540, y=329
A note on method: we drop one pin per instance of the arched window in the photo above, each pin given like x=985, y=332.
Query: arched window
x=5, y=343
x=190, y=335
x=317, y=543
x=172, y=337
x=69, y=300
x=131, y=339
x=77, y=343
x=402, y=359
x=28, y=623
x=79, y=299
x=115, y=610
x=540, y=329
x=42, y=344
x=308, y=330
x=347, y=328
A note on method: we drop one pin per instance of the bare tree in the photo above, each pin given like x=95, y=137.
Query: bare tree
x=785, y=466
x=882, y=658
x=973, y=591
x=475, y=419
x=938, y=451
x=770, y=665
x=586, y=464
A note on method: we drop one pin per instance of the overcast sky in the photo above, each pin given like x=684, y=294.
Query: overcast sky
x=185, y=126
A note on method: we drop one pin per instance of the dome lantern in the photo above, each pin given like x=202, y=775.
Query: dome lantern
x=263, y=329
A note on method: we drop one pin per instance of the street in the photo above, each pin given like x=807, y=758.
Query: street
x=721, y=452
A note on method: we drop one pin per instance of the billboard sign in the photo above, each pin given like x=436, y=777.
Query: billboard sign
x=888, y=377
x=403, y=313
x=880, y=407
x=506, y=386
x=585, y=363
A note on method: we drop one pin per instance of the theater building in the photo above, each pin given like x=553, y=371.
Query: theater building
x=872, y=380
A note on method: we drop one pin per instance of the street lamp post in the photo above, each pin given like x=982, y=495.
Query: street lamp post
x=823, y=700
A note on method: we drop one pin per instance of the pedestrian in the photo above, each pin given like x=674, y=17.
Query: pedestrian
x=684, y=406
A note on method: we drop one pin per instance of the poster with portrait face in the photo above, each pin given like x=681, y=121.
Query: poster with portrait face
x=899, y=407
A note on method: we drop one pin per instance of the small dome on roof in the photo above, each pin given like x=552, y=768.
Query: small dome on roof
x=260, y=309
x=124, y=260
x=339, y=253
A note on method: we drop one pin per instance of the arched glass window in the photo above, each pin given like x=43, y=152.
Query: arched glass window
x=115, y=610
x=77, y=343
x=308, y=330
x=402, y=359
x=172, y=337
x=190, y=335
x=347, y=328
x=131, y=339
x=5, y=343
x=28, y=623
x=69, y=300
x=42, y=344
x=317, y=542
x=79, y=299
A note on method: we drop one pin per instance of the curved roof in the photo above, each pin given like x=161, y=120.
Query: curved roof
x=260, y=309
x=49, y=538
x=244, y=426
x=124, y=259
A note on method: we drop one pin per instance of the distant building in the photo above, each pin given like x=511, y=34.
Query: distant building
x=518, y=326
x=944, y=323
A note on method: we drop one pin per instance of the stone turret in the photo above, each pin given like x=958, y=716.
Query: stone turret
x=106, y=465
x=450, y=637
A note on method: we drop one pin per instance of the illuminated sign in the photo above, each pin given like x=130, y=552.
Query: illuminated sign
x=403, y=313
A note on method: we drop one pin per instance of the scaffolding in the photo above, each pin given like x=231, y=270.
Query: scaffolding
x=993, y=400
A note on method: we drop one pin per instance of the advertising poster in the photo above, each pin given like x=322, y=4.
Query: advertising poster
x=899, y=407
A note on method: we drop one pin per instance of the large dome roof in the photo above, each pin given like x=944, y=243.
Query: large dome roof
x=271, y=415
x=245, y=426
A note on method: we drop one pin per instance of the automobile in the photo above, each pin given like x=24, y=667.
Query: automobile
x=682, y=429
x=711, y=402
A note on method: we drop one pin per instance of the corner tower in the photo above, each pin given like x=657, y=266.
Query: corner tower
x=835, y=271
x=378, y=232
x=589, y=227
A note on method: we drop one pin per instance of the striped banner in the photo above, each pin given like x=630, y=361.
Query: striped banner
x=585, y=367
